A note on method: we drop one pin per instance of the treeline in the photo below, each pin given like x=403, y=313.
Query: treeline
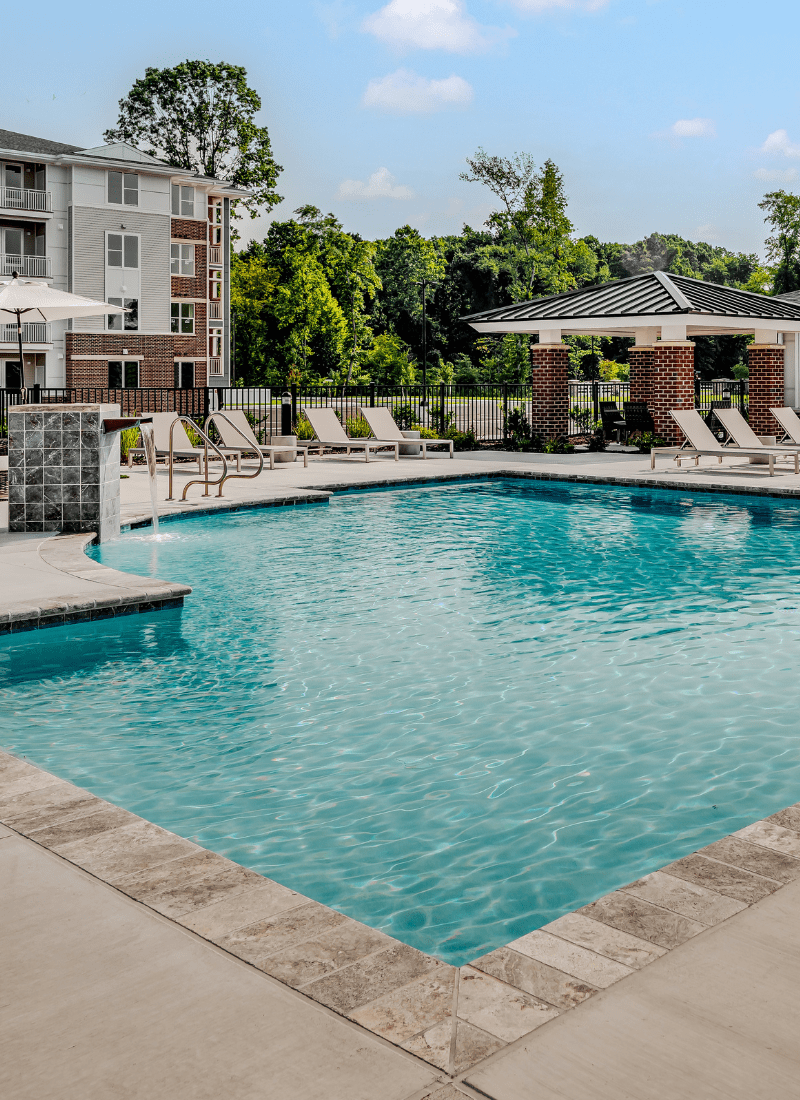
x=315, y=304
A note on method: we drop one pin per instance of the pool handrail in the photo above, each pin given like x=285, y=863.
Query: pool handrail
x=206, y=443
x=226, y=476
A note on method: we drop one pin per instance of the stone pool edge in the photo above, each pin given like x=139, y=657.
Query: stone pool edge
x=452, y=1018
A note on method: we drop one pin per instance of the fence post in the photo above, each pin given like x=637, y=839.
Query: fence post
x=697, y=393
x=595, y=399
x=372, y=395
x=294, y=402
x=37, y=393
x=505, y=412
x=442, y=407
x=206, y=402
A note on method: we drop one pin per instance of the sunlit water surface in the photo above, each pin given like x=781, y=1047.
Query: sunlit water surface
x=452, y=712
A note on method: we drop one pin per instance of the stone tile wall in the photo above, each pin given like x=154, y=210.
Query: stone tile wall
x=63, y=469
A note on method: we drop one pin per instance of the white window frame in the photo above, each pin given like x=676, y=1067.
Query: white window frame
x=181, y=260
x=124, y=190
x=180, y=204
x=123, y=266
x=121, y=322
x=177, y=317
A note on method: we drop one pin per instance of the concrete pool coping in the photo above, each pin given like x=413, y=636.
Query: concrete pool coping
x=452, y=1019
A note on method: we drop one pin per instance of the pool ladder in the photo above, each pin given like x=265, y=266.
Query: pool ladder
x=224, y=476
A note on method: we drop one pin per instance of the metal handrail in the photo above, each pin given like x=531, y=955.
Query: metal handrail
x=206, y=442
x=249, y=442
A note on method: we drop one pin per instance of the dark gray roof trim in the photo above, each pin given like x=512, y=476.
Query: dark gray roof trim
x=23, y=143
x=655, y=292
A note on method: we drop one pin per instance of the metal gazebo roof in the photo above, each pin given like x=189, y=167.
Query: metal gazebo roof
x=645, y=301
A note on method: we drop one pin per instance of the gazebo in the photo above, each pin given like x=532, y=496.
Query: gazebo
x=662, y=312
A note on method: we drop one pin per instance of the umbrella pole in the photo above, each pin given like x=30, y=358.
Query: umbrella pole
x=21, y=360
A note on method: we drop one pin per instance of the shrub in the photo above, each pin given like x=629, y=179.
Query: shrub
x=303, y=429
x=643, y=441
x=559, y=445
x=358, y=428
x=128, y=438
x=405, y=417
x=597, y=442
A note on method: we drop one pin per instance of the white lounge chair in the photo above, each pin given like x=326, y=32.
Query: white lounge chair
x=701, y=441
x=182, y=446
x=790, y=422
x=383, y=426
x=743, y=435
x=232, y=425
x=330, y=433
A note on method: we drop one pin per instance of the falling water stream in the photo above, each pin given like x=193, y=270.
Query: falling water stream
x=149, y=444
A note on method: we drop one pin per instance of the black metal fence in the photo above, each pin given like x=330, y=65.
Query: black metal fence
x=482, y=410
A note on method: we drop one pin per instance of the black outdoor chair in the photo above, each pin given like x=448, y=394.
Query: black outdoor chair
x=638, y=417
x=610, y=415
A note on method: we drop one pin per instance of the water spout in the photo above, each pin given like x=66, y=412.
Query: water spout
x=149, y=444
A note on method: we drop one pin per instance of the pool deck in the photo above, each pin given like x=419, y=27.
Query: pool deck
x=138, y=964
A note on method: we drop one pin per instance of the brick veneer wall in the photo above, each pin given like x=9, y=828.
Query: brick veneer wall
x=662, y=375
x=157, y=368
x=189, y=230
x=549, y=378
x=766, y=386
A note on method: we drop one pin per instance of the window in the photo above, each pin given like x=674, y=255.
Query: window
x=215, y=342
x=123, y=250
x=184, y=376
x=215, y=285
x=215, y=211
x=182, y=317
x=123, y=376
x=182, y=201
x=127, y=321
x=215, y=234
x=123, y=187
x=182, y=259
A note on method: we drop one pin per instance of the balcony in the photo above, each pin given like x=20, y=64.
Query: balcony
x=33, y=332
x=215, y=255
x=215, y=311
x=214, y=366
x=18, y=198
x=33, y=267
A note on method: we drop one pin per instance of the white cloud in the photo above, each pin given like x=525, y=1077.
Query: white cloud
x=694, y=127
x=778, y=142
x=784, y=175
x=433, y=25
x=548, y=5
x=380, y=185
x=406, y=93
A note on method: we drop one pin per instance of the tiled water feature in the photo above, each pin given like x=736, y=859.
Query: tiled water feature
x=63, y=469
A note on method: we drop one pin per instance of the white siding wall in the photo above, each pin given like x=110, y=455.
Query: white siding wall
x=89, y=262
x=90, y=189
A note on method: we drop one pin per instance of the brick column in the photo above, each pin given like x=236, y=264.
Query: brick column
x=766, y=386
x=549, y=378
x=672, y=386
x=641, y=363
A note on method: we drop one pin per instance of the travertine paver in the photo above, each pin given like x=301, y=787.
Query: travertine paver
x=498, y=1008
x=587, y=965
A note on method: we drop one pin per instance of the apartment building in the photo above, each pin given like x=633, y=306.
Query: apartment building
x=115, y=224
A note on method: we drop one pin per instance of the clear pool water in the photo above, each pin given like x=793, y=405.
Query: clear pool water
x=452, y=712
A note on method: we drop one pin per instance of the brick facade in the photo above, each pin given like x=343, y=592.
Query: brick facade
x=766, y=386
x=662, y=375
x=188, y=230
x=549, y=377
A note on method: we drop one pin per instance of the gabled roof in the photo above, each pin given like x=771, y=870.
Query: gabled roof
x=120, y=150
x=652, y=294
x=24, y=143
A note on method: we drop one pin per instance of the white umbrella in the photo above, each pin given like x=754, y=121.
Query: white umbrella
x=23, y=296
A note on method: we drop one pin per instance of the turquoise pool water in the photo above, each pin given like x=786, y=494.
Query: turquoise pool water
x=452, y=712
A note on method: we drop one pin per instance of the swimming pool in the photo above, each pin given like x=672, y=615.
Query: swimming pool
x=451, y=711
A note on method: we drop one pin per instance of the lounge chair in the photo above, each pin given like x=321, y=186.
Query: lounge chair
x=233, y=425
x=383, y=426
x=701, y=441
x=182, y=446
x=790, y=422
x=330, y=433
x=742, y=434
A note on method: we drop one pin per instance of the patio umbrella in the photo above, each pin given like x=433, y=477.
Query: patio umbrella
x=23, y=296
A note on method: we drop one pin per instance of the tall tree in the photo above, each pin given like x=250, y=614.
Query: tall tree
x=200, y=117
x=782, y=212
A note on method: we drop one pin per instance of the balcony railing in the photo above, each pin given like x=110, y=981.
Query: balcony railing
x=215, y=311
x=214, y=365
x=34, y=267
x=18, y=198
x=215, y=255
x=33, y=332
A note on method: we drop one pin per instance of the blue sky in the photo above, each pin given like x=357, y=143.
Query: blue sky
x=663, y=115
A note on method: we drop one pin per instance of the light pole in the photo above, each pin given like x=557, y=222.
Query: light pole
x=424, y=283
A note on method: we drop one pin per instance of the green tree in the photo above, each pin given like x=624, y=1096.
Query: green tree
x=782, y=213
x=402, y=262
x=200, y=117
